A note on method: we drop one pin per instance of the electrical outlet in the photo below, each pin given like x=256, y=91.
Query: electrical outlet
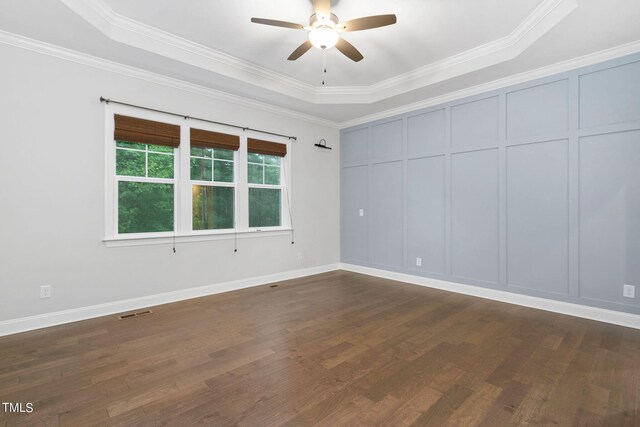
x=45, y=291
x=419, y=262
x=628, y=291
x=361, y=212
x=299, y=256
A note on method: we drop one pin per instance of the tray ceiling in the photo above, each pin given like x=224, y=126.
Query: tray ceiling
x=437, y=46
x=426, y=32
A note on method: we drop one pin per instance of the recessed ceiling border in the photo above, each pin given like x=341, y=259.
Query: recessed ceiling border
x=85, y=59
x=139, y=35
x=527, y=76
x=41, y=47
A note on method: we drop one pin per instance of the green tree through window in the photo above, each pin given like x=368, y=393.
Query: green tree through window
x=265, y=202
x=144, y=207
x=233, y=187
x=145, y=188
x=213, y=191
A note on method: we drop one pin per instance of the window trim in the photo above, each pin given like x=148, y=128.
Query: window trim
x=213, y=183
x=280, y=187
x=183, y=227
x=144, y=179
x=112, y=179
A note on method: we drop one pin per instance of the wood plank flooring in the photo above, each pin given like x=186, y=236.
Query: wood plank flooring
x=333, y=349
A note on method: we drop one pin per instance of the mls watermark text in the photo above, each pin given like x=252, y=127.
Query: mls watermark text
x=17, y=408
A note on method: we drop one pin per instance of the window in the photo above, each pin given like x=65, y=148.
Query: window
x=169, y=177
x=144, y=176
x=145, y=185
x=264, y=172
x=211, y=168
x=212, y=188
x=265, y=202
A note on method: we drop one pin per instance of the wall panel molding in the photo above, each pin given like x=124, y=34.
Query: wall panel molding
x=540, y=193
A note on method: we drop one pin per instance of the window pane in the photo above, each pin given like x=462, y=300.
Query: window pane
x=255, y=158
x=212, y=207
x=201, y=152
x=144, y=207
x=272, y=160
x=220, y=153
x=255, y=174
x=223, y=171
x=133, y=145
x=272, y=175
x=160, y=149
x=130, y=163
x=160, y=165
x=264, y=207
x=201, y=170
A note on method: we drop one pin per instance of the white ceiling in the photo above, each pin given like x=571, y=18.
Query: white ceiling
x=437, y=46
x=426, y=32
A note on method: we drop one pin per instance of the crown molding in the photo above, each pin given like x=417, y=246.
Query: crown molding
x=142, y=36
x=38, y=46
x=136, y=34
x=538, y=73
x=22, y=42
x=539, y=22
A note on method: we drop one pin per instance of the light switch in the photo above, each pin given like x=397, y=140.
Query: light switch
x=419, y=262
x=361, y=212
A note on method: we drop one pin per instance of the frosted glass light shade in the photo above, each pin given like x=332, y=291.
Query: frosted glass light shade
x=323, y=38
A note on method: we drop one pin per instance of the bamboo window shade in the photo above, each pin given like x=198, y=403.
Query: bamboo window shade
x=209, y=139
x=133, y=129
x=266, y=147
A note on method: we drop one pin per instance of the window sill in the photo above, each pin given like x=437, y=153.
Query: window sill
x=117, y=242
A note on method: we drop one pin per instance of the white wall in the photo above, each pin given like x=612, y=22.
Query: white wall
x=52, y=193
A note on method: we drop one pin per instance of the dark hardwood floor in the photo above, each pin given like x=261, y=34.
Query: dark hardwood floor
x=334, y=349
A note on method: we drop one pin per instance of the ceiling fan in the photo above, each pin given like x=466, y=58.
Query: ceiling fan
x=325, y=28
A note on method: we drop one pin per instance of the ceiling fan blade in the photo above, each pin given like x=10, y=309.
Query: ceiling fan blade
x=367, y=23
x=275, y=23
x=322, y=7
x=301, y=50
x=348, y=50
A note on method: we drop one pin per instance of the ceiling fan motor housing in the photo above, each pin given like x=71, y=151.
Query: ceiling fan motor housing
x=323, y=21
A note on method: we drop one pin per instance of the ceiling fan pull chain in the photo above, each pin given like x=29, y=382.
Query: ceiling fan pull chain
x=324, y=66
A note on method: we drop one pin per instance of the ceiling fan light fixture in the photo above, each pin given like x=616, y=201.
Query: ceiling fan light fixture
x=323, y=37
x=325, y=28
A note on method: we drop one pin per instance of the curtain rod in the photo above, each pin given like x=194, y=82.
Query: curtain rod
x=244, y=128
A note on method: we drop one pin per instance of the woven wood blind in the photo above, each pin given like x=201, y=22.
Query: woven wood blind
x=266, y=147
x=132, y=129
x=208, y=139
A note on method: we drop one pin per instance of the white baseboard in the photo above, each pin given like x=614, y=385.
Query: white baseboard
x=30, y=323
x=586, y=312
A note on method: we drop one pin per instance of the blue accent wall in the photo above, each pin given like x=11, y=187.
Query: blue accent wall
x=532, y=189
